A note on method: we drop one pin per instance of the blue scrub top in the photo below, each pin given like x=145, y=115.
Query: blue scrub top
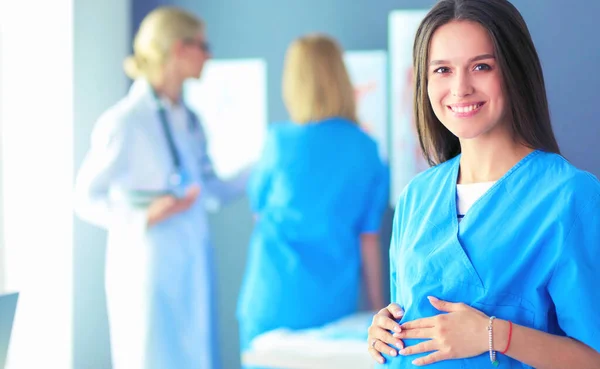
x=316, y=189
x=526, y=251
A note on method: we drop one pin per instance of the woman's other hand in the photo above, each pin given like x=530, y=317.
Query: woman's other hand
x=380, y=339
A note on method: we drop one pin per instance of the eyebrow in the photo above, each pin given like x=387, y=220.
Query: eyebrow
x=477, y=58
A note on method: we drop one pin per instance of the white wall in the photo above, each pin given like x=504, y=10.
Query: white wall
x=102, y=40
x=37, y=126
x=2, y=262
x=60, y=67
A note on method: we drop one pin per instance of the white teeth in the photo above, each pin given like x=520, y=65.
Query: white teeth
x=465, y=109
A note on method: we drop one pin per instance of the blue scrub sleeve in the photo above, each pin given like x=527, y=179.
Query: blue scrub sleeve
x=259, y=182
x=574, y=284
x=377, y=200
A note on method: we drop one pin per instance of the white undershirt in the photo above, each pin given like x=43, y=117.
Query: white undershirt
x=468, y=194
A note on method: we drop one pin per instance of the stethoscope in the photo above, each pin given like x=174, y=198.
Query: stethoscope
x=178, y=176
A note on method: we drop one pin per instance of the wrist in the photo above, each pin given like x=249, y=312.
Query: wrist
x=377, y=302
x=501, y=335
x=151, y=219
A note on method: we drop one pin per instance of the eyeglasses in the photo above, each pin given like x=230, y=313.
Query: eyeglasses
x=202, y=45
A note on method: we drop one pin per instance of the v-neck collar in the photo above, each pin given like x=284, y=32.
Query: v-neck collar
x=453, y=178
x=455, y=246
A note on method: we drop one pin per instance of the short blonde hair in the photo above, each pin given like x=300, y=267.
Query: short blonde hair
x=316, y=84
x=159, y=30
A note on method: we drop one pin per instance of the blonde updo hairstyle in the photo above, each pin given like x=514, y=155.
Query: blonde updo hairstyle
x=157, y=34
x=316, y=84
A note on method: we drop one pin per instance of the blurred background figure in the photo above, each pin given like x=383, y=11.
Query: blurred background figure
x=318, y=194
x=145, y=179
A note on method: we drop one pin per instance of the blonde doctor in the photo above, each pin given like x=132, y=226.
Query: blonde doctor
x=145, y=179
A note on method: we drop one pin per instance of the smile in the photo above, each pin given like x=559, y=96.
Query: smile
x=462, y=108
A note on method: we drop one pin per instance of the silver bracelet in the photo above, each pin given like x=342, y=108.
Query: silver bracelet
x=491, y=341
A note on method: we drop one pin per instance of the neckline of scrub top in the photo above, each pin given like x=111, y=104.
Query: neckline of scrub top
x=492, y=189
x=461, y=252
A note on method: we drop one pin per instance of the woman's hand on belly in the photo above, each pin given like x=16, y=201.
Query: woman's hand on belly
x=459, y=334
x=380, y=339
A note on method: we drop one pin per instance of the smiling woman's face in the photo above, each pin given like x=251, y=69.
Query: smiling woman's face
x=464, y=81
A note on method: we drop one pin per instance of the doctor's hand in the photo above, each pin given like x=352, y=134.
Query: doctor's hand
x=379, y=332
x=165, y=207
x=461, y=333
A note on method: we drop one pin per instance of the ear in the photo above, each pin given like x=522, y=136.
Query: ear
x=178, y=47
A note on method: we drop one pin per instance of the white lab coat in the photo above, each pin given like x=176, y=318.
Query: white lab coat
x=159, y=280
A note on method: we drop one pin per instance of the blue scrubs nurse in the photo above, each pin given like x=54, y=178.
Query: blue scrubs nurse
x=319, y=193
x=495, y=248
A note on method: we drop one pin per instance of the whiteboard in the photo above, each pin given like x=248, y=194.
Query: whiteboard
x=231, y=102
x=368, y=73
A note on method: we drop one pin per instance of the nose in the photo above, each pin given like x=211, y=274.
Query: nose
x=461, y=85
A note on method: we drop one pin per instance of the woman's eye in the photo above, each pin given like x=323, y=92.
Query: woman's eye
x=442, y=70
x=482, y=67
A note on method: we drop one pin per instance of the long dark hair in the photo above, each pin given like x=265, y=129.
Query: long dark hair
x=521, y=74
